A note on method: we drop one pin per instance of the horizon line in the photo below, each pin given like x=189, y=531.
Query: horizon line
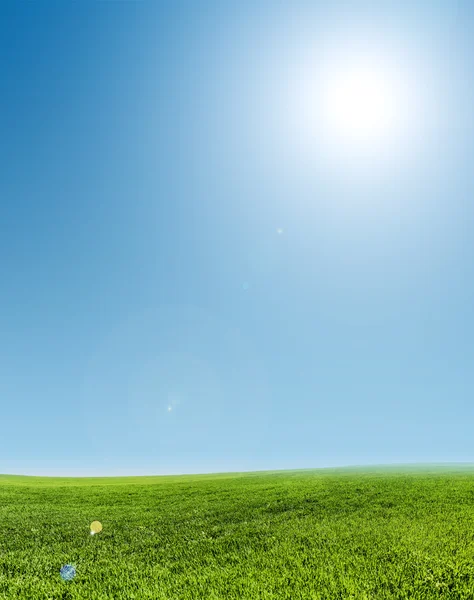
x=437, y=464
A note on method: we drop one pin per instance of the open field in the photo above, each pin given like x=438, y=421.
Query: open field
x=360, y=533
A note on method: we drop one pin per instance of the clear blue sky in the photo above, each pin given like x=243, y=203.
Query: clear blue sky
x=153, y=319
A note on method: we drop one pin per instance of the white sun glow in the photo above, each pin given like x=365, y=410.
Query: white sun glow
x=355, y=102
x=367, y=105
x=360, y=104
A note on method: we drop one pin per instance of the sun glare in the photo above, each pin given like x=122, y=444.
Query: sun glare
x=365, y=105
x=359, y=105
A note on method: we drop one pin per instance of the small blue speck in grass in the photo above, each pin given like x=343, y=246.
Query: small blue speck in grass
x=67, y=572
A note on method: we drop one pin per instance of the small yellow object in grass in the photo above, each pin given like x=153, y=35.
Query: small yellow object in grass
x=96, y=527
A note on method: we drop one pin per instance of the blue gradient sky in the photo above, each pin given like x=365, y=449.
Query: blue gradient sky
x=148, y=160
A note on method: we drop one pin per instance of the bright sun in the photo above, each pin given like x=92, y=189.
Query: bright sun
x=359, y=105
x=356, y=103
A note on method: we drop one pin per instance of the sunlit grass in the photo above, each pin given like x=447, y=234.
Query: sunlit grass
x=324, y=534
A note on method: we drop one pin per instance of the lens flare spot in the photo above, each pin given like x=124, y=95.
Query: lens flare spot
x=96, y=527
x=67, y=572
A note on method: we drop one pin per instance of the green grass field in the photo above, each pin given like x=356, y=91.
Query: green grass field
x=332, y=533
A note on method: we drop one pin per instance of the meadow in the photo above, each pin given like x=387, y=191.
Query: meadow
x=360, y=533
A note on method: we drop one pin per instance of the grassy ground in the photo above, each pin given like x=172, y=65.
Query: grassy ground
x=324, y=534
